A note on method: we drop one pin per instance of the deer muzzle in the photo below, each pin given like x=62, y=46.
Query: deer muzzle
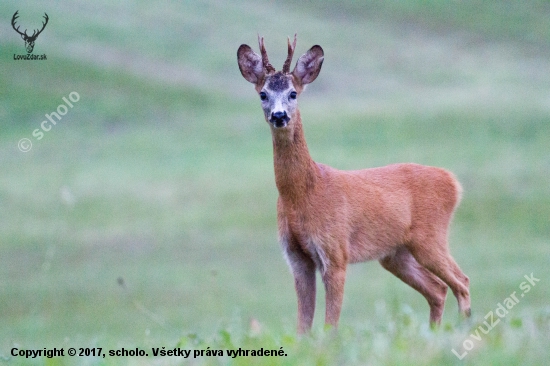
x=279, y=119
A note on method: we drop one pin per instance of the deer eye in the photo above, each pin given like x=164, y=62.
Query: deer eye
x=293, y=95
x=263, y=96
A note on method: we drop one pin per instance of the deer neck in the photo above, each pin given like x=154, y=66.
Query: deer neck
x=296, y=174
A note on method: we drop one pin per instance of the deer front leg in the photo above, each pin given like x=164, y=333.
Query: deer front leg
x=304, y=283
x=303, y=270
x=334, y=279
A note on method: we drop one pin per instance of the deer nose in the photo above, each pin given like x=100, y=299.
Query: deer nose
x=279, y=119
x=278, y=115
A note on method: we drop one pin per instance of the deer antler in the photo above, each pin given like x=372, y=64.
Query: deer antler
x=36, y=31
x=15, y=16
x=265, y=61
x=286, y=65
x=34, y=35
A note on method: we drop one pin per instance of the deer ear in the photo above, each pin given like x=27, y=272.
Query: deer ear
x=309, y=65
x=250, y=64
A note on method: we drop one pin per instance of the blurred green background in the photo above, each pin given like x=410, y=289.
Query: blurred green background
x=146, y=215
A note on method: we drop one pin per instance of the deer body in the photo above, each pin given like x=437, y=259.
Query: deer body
x=328, y=218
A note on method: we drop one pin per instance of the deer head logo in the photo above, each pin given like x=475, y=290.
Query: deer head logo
x=29, y=40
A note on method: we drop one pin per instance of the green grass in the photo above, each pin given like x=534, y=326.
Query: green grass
x=160, y=177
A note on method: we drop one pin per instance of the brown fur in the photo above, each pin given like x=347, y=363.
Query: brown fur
x=327, y=218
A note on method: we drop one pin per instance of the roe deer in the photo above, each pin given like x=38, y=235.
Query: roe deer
x=397, y=214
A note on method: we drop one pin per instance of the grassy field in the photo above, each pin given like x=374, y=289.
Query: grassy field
x=146, y=216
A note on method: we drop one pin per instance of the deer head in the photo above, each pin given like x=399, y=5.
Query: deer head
x=278, y=90
x=29, y=40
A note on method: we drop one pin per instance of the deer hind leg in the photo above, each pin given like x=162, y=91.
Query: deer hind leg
x=434, y=256
x=463, y=298
x=403, y=265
